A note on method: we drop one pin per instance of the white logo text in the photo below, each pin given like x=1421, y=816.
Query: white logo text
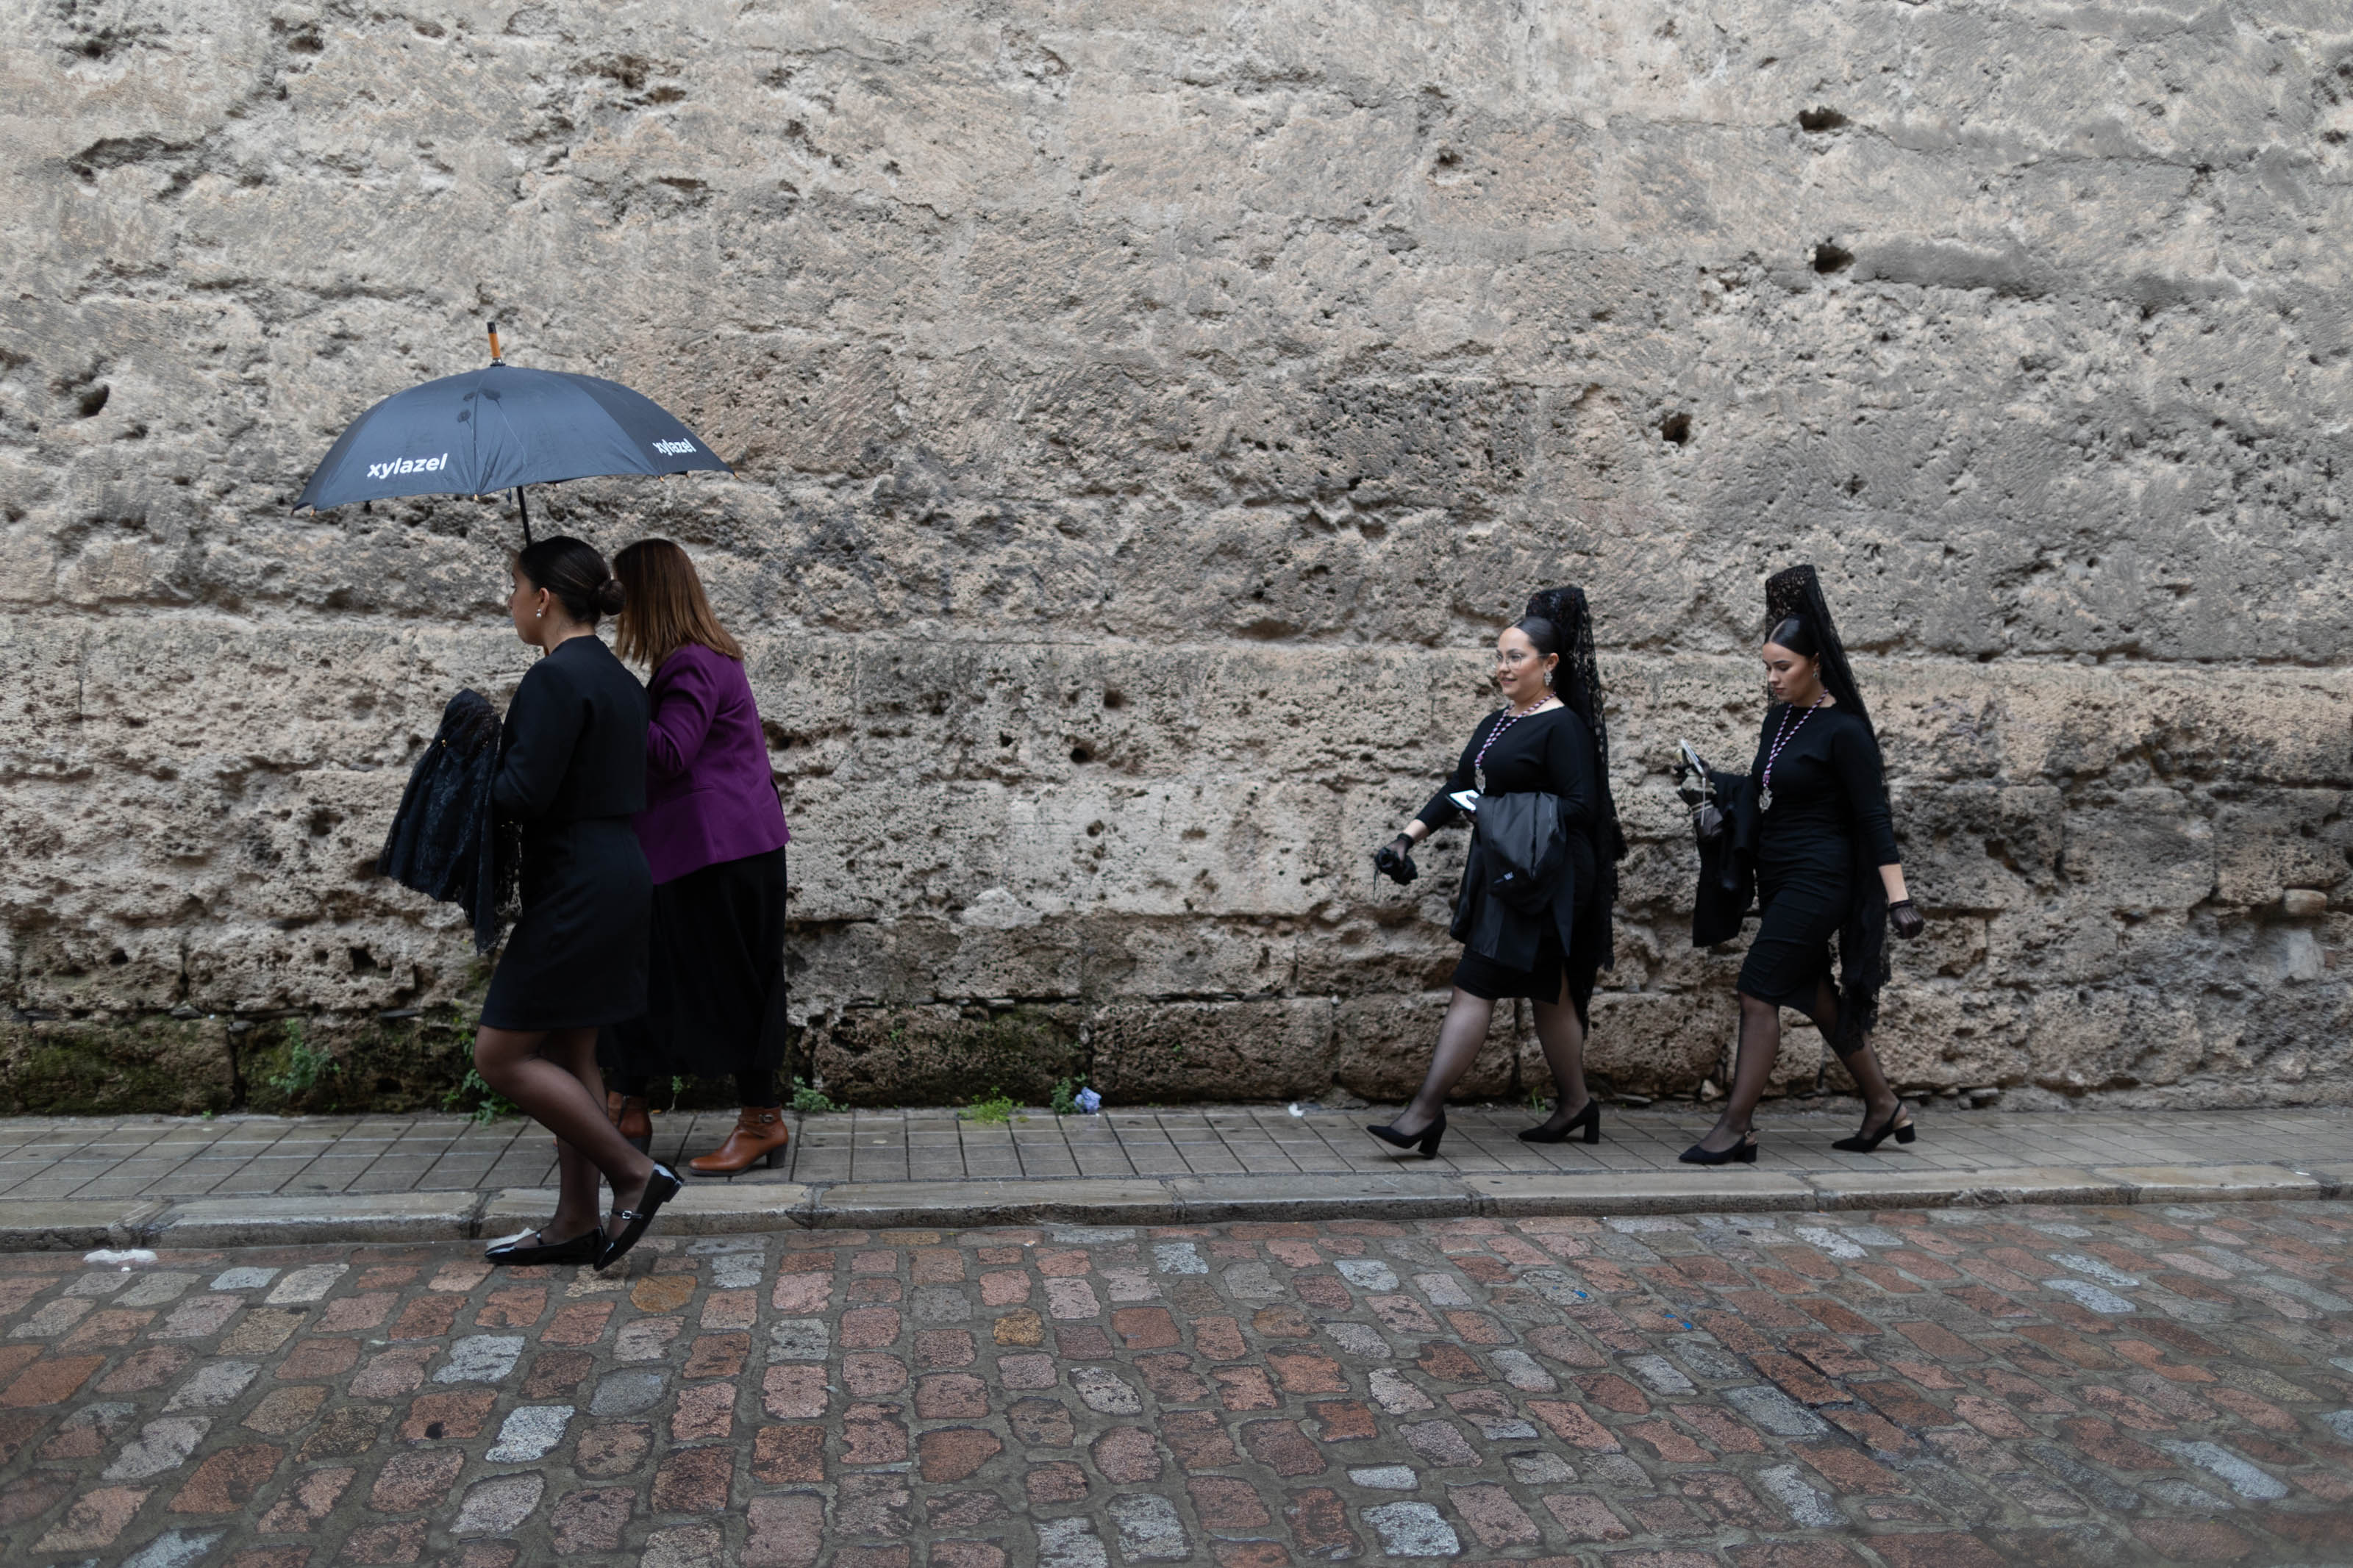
x=675, y=448
x=408, y=465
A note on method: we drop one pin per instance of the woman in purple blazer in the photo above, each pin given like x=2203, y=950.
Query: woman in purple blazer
x=714, y=835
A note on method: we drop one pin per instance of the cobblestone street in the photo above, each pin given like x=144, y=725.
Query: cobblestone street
x=1955, y=1388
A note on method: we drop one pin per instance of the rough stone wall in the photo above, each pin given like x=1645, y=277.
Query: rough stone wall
x=1145, y=414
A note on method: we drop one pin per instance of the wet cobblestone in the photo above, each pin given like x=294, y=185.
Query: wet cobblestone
x=1943, y=1389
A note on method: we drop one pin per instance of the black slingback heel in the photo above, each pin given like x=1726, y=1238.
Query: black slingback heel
x=1426, y=1140
x=1866, y=1140
x=1589, y=1120
x=1741, y=1153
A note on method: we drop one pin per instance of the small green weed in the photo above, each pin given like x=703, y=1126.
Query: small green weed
x=488, y=1103
x=809, y=1100
x=306, y=1066
x=998, y=1109
x=1065, y=1101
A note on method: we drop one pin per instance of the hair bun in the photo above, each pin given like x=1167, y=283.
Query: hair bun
x=610, y=597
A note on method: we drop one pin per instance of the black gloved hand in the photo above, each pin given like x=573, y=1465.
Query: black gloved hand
x=1394, y=860
x=1907, y=920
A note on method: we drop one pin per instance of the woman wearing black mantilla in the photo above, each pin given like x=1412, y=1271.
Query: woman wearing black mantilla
x=1809, y=824
x=1533, y=914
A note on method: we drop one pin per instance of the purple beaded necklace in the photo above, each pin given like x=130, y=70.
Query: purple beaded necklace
x=1789, y=732
x=1510, y=718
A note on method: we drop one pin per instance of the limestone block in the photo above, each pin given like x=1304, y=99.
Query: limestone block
x=132, y=970
x=1170, y=1051
x=2140, y=849
x=341, y=967
x=1655, y=1043
x=1932, y=1037
x=2278, y=839
x=935, y=1055
x=1382, y=1044
x=156, y=1064
x=1980, y=846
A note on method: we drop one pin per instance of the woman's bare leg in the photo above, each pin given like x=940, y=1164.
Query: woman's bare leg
x=1468, y=1019
x=1752, y=1068
x=542, y=1072
x=1563, y=1040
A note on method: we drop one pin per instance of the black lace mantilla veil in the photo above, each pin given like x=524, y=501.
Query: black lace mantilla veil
x=1578, y=685
x=1862, y=937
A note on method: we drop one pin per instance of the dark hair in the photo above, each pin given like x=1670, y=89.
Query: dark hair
x=571, y=570
x=1795, y=634
x=1542, y=631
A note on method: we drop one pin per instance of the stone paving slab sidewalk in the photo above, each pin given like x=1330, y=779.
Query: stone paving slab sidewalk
x=1951, y=1388
x=85, y=1181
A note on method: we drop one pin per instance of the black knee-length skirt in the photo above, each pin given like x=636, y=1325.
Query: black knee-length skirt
x=576, y=957
x=715, y=996
x=1802, y=906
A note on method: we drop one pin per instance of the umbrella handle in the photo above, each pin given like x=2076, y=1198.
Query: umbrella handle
x=494, y=345
x=525, y=510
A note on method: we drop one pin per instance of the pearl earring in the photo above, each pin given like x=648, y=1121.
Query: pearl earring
x=539, y=614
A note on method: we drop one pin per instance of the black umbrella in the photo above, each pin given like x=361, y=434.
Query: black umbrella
x=502, y=427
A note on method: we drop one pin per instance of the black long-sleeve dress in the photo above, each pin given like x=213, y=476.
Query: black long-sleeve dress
x=1826, y=830
x=1551, y=752
x=572, y=773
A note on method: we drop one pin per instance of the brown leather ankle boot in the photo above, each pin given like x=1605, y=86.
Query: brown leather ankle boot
x=759, y=1134
x=636, y=1122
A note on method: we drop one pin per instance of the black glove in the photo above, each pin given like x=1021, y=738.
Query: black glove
x=1394, y=860
x=1908, y=921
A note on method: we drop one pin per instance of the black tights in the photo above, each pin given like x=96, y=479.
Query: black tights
x=757, y=1089
x=1760, y=1043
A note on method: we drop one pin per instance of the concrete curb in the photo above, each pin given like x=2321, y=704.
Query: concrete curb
x=714, y=1208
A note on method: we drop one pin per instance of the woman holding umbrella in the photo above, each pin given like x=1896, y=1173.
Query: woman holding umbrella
x=1811, y=814
x=572, y=772
x=714, y=838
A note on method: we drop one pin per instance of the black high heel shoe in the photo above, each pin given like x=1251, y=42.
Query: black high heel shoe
x=1866, y=1140
x=530, y=1250
x=1741, y=1153
x=660, y=1187
x=1588, y=1118
x=1426, y=1140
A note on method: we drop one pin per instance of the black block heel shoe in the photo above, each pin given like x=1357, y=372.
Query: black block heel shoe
x=1866, y=1140
x=1588, y=1118
x=660, y=1187
x=530, y=1249
x=1426, y=1140
x=1741, y=1153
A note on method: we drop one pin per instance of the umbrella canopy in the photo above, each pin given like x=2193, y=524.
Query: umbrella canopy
x=502, y=427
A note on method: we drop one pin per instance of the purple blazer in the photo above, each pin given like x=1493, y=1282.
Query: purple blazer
x=708, y=794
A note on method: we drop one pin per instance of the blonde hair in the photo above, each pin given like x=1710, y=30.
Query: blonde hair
x=664, y=607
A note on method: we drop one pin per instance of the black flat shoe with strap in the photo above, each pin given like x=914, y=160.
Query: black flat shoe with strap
x=1866, y=1140
x=1426, y=1140
x=660, y=1187
x=537, y=1249
x=1588, y=1119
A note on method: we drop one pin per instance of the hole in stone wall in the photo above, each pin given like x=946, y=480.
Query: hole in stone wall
x=1675, y=427
x=1831, y=256
x=1819, y=119
x=1081, y=754
x=93, y=398
x=1112, y=699
x=363, y=962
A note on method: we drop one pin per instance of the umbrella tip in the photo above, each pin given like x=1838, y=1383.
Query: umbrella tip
x=494, y=345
